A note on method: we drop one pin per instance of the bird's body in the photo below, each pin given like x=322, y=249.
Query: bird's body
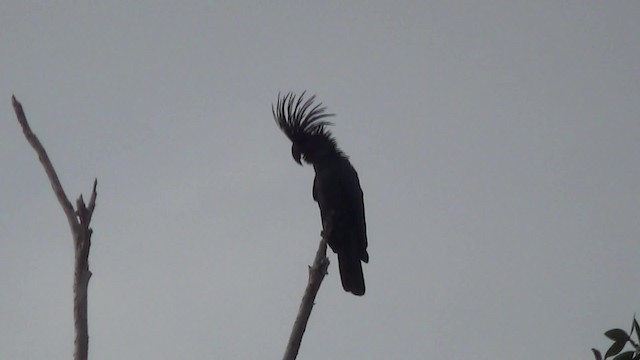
x=337, y=190
x=336, y=187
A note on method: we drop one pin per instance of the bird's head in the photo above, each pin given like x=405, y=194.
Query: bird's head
x=303, y=123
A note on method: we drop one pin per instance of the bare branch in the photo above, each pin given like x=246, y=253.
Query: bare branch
x=46, y=163
x=92, y=201
x=79, y=223
x=317, y=271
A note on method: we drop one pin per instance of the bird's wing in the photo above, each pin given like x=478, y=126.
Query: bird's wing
x=338, y=191
x=353, y=192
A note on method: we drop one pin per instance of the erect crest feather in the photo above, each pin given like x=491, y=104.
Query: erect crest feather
x=299, y=118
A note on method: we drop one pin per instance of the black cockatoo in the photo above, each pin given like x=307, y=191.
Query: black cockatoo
x=336, y=187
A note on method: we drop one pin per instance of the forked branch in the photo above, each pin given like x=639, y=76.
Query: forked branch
x=79, y=222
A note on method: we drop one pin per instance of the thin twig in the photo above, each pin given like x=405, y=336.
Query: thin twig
x=79, y=223
x=317, y=271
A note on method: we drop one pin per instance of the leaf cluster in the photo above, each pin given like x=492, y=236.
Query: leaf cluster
x=620, y=340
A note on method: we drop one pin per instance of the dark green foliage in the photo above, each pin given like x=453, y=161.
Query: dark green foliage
x=620, y=339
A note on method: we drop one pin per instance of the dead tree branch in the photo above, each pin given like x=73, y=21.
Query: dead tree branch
x=317, y=271
x=79, y=221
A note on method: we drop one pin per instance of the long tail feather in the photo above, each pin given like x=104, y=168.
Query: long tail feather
x=351, y=273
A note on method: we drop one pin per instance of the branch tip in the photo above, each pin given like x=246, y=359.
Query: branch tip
x=94, y=194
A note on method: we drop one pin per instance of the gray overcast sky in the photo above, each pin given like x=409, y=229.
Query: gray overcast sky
x=497, y=145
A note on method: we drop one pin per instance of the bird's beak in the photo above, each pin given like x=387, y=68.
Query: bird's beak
x=295, y=151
